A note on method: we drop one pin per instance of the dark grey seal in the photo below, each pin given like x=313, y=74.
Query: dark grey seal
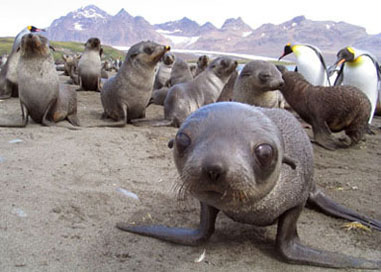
x=256, y=166
x=328, y=109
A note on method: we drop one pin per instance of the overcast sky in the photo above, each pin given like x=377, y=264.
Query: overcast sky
x=16, y=15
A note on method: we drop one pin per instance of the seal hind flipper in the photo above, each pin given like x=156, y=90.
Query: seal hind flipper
x=328, y=206
x=182, y=236
x=291, y=249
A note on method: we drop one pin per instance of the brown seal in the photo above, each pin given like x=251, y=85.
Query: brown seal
x=89, y=66
x=183, y=99
x=71, y=67
x=257, y=85
x=256, y=166
x=202, y=63
x=39, y=92
x=125, y=96
x=328, y=109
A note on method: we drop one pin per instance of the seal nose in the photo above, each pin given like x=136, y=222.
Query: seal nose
x=281, y=84
x=214, y=172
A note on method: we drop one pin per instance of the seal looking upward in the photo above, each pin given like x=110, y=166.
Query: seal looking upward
x=256, y=166
x=90, y=66
x=125, y=96
x=8, y=74
x=40, y=95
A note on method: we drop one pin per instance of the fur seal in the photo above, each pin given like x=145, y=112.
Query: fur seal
x=164, y=72
x=202, y=63
x=180, y=73
x=327, y=109
x=257, y=85
x=184, y=98
x=259, y=175
x=125, y=96
x=8, y=74
x=71, y=67
x=89, y=66
x=227, y=91
x=40, y=95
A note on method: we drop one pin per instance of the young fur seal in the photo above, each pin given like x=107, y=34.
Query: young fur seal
x=256, y=166
x=327, y=109
x=258, y=85
x=125, y=96
x=39, y=92
x=183, y=99
x=89, y=66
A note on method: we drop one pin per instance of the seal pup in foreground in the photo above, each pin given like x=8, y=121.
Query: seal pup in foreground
x=257, y=85
x=39, y=92
x=183, y=99
x=360, y=69
x=125, y=96
x=256, y=166
x=328, y=109
x=8, y=74
x=89, y=66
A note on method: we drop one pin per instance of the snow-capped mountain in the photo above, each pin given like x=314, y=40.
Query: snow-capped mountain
x=235, y=35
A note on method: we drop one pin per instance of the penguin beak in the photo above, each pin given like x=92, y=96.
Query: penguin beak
x=339, y=62
x=167, y=48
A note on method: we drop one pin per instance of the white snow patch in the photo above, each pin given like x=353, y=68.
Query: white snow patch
x=294, y=24
x=245, y=34
x=263, y=34
x=163, y=31
x=78, y=26
x=327, y=26
x=183, y=40
x=90, y=13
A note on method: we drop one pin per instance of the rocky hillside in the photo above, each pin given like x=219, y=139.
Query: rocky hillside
x=235, y=35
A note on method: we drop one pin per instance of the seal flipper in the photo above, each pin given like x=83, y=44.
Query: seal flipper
x=325, y=204
x=291, y=249
x=182, y=236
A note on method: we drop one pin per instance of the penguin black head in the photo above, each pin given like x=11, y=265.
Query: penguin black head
x=287, y=50
x=35, y=29
x=345, y=54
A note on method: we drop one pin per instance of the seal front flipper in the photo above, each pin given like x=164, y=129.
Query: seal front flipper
x=319, y=200
x=289, y=246
x=182, y=236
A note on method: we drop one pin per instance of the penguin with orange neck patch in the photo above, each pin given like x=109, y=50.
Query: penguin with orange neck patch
x=309, y=62
x=360, y=69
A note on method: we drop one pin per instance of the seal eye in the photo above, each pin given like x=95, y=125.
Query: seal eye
x=148, y=50
x=265, y=154
x=182, y=141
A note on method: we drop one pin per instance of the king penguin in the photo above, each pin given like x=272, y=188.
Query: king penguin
x=27, y=30
x=309, y=62
x=360, y=69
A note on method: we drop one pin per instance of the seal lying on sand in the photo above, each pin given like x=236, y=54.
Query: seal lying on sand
x=40, y=96
x=89, y=66
x=257, y=85
x=328, y=109
x=183, y=99
x=125, y=96
x=256, y=166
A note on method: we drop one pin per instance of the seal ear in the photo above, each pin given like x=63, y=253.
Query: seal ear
x=290, y=161
x=170, y=143
x=18, y=49
x=51, y=47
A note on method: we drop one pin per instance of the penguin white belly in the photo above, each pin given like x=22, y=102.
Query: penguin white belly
x=310, y=66
x=363, y=75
